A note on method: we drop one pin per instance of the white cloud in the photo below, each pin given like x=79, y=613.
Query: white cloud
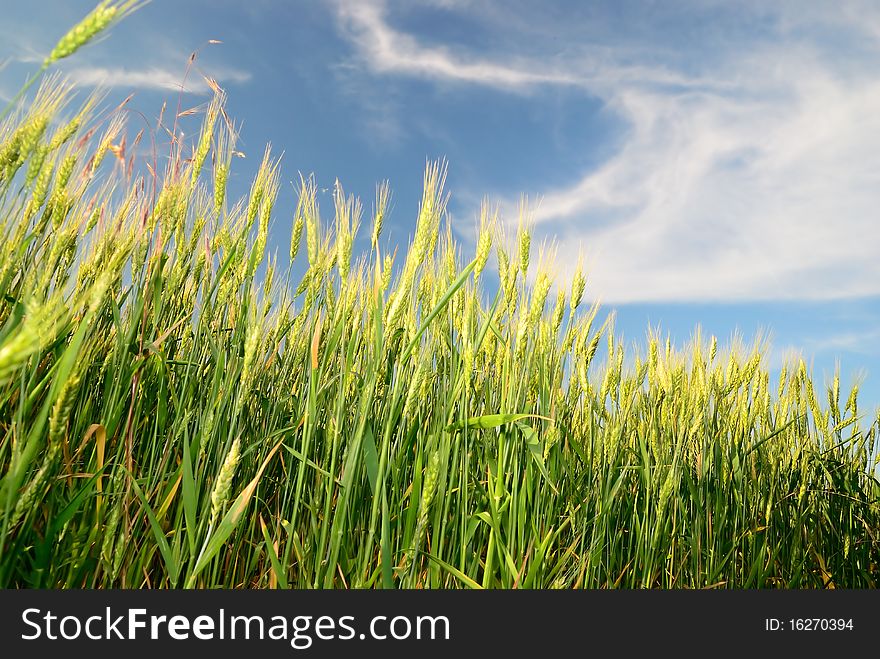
x=756, y=178
x=150, y=78
x=863, y=342
x=390, y=51
x=743, y=196
x=387, y=50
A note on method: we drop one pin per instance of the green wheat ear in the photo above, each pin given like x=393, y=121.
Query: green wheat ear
x=105, y=14
x=484, y=242
x=92, y=25
x=223, y=486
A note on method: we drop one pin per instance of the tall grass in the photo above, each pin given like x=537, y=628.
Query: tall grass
x=178, y=410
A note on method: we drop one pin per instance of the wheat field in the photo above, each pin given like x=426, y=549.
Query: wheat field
x=179, y=409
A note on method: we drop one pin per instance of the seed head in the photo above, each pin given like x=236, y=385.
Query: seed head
x=387, y=268
x=525, y=244
x=383, y=195
x=223, y=486
x=578, y=284
x=206, y=138
x=98, y=20
x=296, y=235
x=558, y=311
x=484, y=248
x=429, y=488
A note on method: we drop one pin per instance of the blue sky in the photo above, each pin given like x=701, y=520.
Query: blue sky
x=714, y=163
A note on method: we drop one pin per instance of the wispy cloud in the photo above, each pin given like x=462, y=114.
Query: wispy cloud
x=151, y=78
x=857, y=343
x=387, y=50
x=756, y=176
x=860, y=342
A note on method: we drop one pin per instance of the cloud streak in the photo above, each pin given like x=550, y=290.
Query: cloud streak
x=387, y=50
x=153, y=78
x=755, y=177
x=860, y=342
